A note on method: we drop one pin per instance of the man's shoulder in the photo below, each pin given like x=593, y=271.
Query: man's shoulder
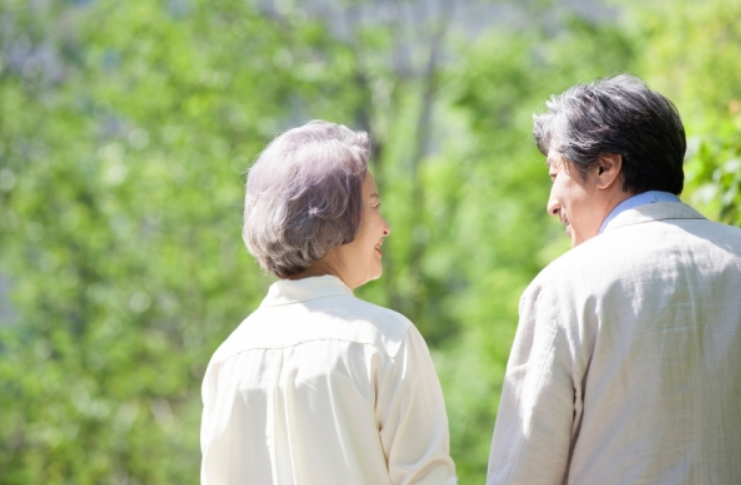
x=635, y=249
x=689, y=224
x=589, y=258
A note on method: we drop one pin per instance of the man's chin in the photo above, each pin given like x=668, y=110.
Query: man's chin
x=571, y=236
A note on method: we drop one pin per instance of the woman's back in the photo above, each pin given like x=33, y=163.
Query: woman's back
x=317, y=386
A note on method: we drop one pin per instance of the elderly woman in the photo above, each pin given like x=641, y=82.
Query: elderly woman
x=317, y=386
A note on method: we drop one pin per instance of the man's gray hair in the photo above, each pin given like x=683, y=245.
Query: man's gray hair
x=304, y=196
x=618, y=115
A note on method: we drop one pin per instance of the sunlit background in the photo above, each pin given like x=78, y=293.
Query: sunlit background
x=126, y=130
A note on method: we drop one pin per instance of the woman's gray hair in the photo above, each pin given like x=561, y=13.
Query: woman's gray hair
x=304, y=196
x=617, y=115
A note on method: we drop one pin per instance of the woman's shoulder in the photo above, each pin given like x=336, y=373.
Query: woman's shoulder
x=339, y=318
x=351, y=317
x=384, y=318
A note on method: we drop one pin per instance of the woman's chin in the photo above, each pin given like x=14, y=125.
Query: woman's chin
x=373, y=276
x=378, y=273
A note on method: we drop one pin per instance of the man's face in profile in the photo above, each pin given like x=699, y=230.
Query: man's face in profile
x=574, y=199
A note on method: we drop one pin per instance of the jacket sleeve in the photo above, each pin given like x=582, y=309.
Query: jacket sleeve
x=533, y=432
x=412, y=420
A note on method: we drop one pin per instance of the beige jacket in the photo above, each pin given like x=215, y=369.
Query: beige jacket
x=626, y=366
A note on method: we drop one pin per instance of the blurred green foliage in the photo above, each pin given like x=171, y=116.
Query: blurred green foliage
x=692, y=56
x=126, y=129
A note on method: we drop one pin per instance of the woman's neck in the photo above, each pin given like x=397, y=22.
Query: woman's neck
x=329, y=265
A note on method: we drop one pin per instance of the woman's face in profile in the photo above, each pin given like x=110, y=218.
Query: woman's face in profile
x=362, y=257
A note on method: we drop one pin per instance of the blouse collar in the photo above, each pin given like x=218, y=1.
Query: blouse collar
x=284, y=292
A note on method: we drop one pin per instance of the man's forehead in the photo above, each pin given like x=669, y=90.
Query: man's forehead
x=553, y=160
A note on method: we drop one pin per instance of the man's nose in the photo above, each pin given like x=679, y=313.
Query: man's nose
x=553, y=207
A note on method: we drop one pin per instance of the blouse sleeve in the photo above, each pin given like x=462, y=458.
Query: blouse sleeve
x=412, y=418
x=213, y=429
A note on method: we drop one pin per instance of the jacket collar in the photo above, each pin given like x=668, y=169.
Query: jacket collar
x=649, y=197
x=653, y=212
x=284, y=292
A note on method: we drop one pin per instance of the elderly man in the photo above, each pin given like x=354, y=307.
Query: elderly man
x=626, y=366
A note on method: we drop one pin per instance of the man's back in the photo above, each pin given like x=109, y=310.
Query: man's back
x=628, y=348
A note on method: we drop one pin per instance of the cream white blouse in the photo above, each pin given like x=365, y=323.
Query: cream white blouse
x=319, y=387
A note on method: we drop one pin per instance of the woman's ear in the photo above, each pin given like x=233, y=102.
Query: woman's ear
x=608, y=174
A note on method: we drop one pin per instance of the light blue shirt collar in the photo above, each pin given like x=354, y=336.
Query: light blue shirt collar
x=650, y=197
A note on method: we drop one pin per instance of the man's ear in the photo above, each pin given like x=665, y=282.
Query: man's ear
x=608, y=171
